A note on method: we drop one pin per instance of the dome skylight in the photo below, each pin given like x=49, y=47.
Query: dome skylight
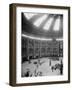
x=29, y=15
x=43, y=21
x=57, y=24
x=40, y=20
x=48, y=24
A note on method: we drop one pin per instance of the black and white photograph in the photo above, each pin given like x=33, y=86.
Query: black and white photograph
x=41, y=44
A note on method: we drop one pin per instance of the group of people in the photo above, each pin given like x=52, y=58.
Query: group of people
x=57, y=66
x=35, y=72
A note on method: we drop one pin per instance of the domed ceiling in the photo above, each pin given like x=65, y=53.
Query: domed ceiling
x=42, y=25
